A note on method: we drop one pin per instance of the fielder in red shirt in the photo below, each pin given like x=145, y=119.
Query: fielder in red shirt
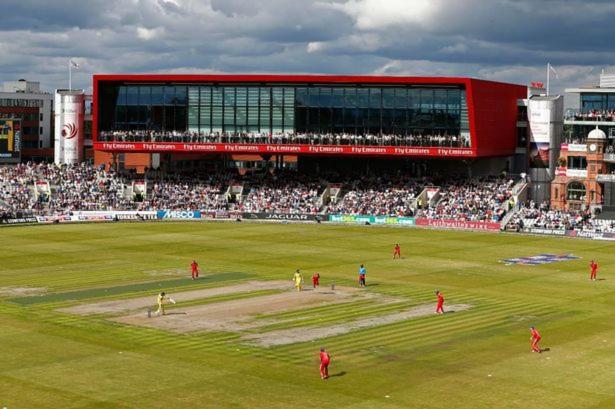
x=594, y=269
x=440, y=306
x=325, y=359
x=194, y=266
x=397, y=252
x=315, y=280
x=535, y=338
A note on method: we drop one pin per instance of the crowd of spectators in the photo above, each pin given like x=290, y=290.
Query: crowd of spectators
x=592, y=115
x=541, y=215
x=185, y=192
x=33, y=189
x=442, y=139
x=85, y=187
x=478, y=199
x=47, y=189
x=283, y=192
x=390, y=195
x=16, y=190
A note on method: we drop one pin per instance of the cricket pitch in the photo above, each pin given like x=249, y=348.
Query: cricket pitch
x=242, y=315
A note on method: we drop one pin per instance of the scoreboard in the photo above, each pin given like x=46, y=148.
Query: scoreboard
x=10, y=140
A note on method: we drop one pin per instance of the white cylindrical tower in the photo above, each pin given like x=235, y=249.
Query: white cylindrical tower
x=69, y=117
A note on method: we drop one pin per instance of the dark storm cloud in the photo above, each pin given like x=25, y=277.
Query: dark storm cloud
x=56, y=15
x=509, y=40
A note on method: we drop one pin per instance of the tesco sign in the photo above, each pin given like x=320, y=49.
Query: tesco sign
x=179, y=214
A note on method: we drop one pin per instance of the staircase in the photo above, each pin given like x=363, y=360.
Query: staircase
x=509, y=216
x=335, y=192
x=427, y=198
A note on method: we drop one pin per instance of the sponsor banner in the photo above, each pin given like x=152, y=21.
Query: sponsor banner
x=550, y=232
x=107, y=215
x=576, y=173
x=98, y=216
x=216, y=214
x=347, y=218
x=541, y=115
x=284, y=216
x=19, y=220
x=285, y=149
x=362, y=219
x=69, y=111
x=539, y=259
x=10, y=140
x=136, y=216
x=178, y=214
x=54, y=219
x=92, y=218
x=406, y=221
x=574, y=147
x=394, y=220
x=458, y=224
x=594, y=235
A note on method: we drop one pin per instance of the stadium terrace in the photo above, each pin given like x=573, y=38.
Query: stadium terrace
x=432, y=151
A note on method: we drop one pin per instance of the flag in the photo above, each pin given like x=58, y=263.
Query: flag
x=73, y=64
x=554, y=71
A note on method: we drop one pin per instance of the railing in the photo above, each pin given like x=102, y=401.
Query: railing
x=590, y=115
x=509, y=215
x=444, y=140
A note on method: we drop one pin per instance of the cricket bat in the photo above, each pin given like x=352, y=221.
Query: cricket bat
x=172, y=300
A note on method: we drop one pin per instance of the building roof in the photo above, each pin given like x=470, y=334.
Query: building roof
x=291, y=78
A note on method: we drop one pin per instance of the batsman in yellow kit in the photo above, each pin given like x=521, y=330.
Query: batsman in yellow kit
x=162, y=300
x=298, y=280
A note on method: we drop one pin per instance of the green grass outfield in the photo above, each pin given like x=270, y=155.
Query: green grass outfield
x=478, y=358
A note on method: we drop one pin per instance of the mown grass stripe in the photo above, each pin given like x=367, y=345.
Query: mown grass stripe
x=94, y=293
x=398, y=338
x=421, y=325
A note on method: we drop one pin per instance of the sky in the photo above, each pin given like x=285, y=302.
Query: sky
x=504, y=40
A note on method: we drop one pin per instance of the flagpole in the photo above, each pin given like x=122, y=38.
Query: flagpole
x=70, y=74
x=548, y=76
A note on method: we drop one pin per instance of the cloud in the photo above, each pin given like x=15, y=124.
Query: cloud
x=149, y=34
x=378, y=14
x=505, y=40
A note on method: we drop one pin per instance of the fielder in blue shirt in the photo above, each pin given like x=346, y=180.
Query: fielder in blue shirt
x=362, y=272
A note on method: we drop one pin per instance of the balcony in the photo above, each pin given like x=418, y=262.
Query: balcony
x=589, y=117
x=342, y=139
x=419, y=145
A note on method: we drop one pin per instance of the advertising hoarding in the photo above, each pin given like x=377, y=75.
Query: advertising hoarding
x=10, y=140
x=69, y=121
x=400, y=151
x=458, y=224
x=379, y=220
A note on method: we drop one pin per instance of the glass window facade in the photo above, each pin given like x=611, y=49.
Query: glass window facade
x=597, y=102
x=399, y=110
